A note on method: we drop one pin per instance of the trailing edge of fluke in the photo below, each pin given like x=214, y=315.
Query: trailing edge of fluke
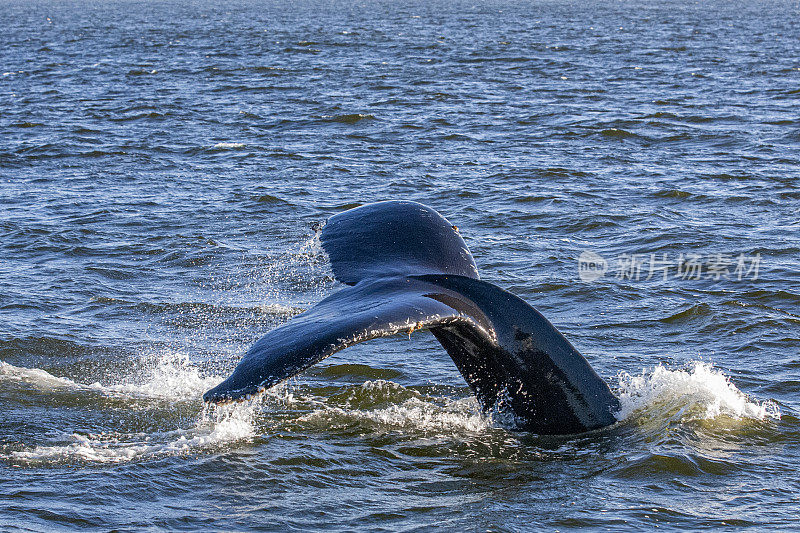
x=407, y=268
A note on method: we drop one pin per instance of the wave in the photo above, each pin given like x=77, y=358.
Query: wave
x=228, y=146
x=701, y=392
x=172, y=377
x=349, y=118
x=214, y=429
x=379, y=405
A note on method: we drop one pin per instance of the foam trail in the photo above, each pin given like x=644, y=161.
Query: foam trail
x=173, y=377
x=702, y=392
x=37, y=377
x=214, y=429
x=407, y=410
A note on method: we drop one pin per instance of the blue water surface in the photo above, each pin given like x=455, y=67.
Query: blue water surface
x=163, y=163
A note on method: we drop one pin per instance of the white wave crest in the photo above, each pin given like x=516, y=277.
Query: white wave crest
x=701, y=393
x=170, y=376
x=35, y=376
x=174, y=377
x=456, y=415
x=417, y=413
x=215, y=428
x=228, y=146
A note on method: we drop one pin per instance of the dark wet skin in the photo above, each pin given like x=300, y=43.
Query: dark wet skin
x=407, y=269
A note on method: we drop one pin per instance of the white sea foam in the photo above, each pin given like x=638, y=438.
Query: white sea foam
x=171, y=376
x=35, y=376
x=455, y=416
x=701, y=392
x=215, y=427
x=418, y=413
x=228, y=146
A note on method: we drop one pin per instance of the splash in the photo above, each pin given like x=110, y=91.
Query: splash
x=172, y=376
x=462, y=416
x=169, y=377
x=391, y=406
x=290, y=280
x=701, y=393
x=36, y=376
x=215, y=428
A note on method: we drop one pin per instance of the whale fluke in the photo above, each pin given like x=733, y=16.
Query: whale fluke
x=407, y=269
x=394, y=238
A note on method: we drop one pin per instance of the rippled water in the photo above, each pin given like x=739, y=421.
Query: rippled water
x=162, y=165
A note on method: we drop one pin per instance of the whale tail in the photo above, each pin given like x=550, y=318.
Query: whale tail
x=408, y=268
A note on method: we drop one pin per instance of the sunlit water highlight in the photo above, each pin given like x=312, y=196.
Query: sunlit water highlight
x=163, y=166
x=701, y=393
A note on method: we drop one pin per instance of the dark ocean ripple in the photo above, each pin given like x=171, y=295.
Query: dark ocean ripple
x=163, y=164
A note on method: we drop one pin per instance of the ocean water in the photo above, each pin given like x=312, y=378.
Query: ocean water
x=630, y=168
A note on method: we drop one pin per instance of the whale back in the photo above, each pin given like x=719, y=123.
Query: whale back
x=394, y=238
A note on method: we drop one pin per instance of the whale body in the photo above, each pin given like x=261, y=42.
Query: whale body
x=407, y=268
